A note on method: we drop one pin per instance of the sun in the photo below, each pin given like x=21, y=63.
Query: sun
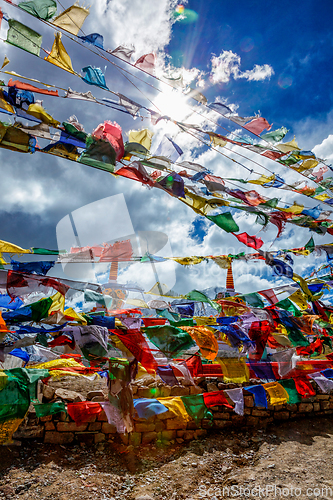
x=173, y=104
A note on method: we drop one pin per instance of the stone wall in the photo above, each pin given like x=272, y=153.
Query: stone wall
x=166, y=427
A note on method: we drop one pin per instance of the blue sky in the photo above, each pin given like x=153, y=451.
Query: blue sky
x=276, y=58
x=294, y=38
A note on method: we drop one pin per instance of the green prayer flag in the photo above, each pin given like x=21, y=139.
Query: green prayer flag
x=290, y=387
x=225, y=222
x=310, y=245
x=23, y=37
x=43, y=9
x=98, y=154
x=291, y=160
x=44, y=409
x=270, y=203
x=44, y=251
x=165, y=313
x=183, y=322
x=253, y=300
x=275, y=135
x=71, y=130
x=201, y=297
x=15, y=396
x=297, y=338
x=288, y=305
x=40, y=309
x=169, y=339
x=196, y=408
x=100, y=298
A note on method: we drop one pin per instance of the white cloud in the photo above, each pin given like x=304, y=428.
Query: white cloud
x=145, y=23
x=227, y=66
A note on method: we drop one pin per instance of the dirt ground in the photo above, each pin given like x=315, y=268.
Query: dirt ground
x=291, y=460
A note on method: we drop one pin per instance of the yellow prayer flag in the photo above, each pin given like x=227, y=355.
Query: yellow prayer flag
x=142, y=137
x=4, y=104
x=263, y=179
x=58, y=303
x=299, y=299
x=304, y=286
x=58, y=55
x=5, y=62
x=234, y=370
x=187, y=261
x=306, y=165
x=6, y=247
x=71, y=19
x=39, y=112
x=8, y=428
x=322, y=197
x=56, y=363
x=282, y=339
x=204, y=320
x=295, y=209
x=216, y=140
x=288, y=146
x=72, y=315
x=176, y=405
x=205, y=340
x=137, y=303
x=277, y=394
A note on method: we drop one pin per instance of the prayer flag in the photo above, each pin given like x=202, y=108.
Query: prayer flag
x=23, y=37
x=58, y=55
x=71, y=19
x=43, y=9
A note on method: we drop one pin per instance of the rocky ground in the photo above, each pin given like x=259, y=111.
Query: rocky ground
x=291, y=460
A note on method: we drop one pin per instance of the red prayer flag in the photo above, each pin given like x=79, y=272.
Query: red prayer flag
x=153, y=321
x=259, y=332
x=270, y=296
x=137, y=345
x=215, y=398
x=84, y=411
x=31, y=88
x=304, y=388
x=22, y=283
x=194, y=364
x=146, y=63
x=249, y=241
x=257, y=125
x=136, y=174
